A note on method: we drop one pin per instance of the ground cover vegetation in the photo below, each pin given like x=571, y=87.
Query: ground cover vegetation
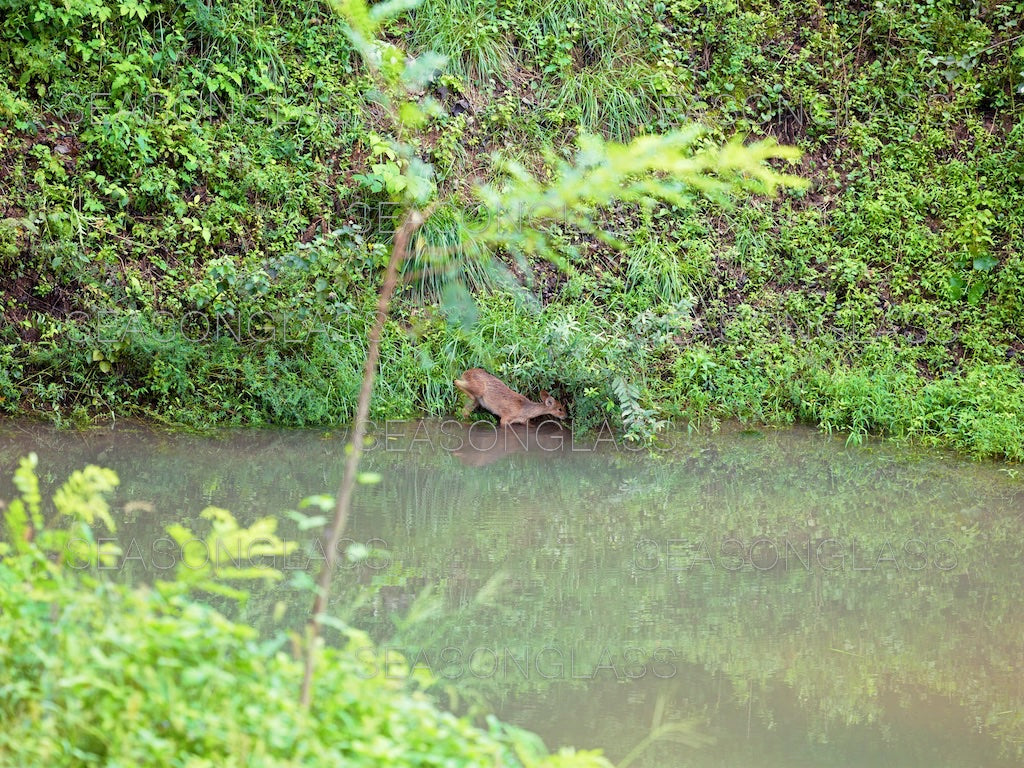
x=194, y=204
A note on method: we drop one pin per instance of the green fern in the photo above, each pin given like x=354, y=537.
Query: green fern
x=641, y=424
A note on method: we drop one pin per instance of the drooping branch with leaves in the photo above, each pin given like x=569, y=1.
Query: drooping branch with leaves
x=512, y=212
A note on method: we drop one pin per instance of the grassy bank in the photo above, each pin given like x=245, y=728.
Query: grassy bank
x=191, y=223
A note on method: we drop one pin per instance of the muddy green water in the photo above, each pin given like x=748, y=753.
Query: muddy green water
x=768, y=598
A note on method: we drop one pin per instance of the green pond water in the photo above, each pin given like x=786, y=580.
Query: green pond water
x=739, y=598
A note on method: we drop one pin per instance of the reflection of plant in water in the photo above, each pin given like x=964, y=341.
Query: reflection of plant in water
x=845, y=627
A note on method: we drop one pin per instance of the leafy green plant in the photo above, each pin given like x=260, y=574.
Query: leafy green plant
x=81, y=500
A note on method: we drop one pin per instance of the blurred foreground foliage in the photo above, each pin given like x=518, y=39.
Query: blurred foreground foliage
x=94, y=672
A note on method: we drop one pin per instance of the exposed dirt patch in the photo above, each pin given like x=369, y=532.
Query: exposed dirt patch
x=24, y=301
x=548, y=281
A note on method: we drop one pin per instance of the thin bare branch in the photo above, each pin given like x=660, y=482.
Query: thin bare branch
x=412, y=221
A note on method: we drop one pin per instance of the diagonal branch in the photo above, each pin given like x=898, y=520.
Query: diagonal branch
x=412, y=221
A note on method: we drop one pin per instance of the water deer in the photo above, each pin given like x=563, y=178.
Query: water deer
x=510, y=407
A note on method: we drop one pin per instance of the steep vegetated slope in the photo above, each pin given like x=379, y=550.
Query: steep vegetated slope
x=194, y=207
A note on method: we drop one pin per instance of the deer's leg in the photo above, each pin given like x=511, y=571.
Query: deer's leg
x=470, y=407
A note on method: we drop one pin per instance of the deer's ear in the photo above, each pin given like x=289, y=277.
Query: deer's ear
x=544, y=395
x=548, y=400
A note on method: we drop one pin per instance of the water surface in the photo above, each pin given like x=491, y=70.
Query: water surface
x=769, y=598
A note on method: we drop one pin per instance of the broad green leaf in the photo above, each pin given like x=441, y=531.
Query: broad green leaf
x=985, y=263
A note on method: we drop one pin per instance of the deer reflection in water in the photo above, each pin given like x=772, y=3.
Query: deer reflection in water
x=483, y=443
